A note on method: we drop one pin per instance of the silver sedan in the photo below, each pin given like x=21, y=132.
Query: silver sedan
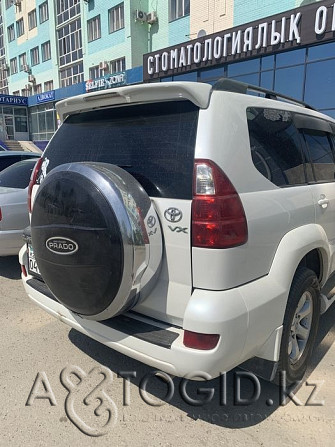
x=14, y=217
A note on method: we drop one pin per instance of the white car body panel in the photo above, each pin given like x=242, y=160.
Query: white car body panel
x=13, y=204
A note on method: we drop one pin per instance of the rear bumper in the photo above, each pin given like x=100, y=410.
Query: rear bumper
x=176, y=360
x=227, y=313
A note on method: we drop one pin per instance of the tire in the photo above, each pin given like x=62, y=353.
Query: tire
x=299, y=329
x=96, y=237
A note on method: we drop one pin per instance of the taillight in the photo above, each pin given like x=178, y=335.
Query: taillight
x=196, y=340
x=24, y=271
x=218, y=218
x=0, y=215
x=32, y=182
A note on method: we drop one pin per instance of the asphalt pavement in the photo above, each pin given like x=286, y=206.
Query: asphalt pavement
x=59, y=387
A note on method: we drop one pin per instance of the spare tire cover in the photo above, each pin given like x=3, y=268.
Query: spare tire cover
x=96, y=238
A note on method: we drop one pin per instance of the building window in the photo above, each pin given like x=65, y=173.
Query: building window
x=94, y=29
x=13, y=65
x=34, y=56
x=26, y=92
x=8, y=3
x=46, y=51
x=99, y=70
x=48, y=85
x=19, y=28
x=116, y=18
x=94, y=72
x=69, y=43
x=179, y=8
x=18, y=6
x=2, y=43
x=11, y=33
x=44, y=12
x=43, y=122
x=66, y=10
x=16, y=93
x=23, y=62
x=118, y=65
x=71, y=75
x=38, y=89
x=3, y=76
x=32, y=19
x=21, y=119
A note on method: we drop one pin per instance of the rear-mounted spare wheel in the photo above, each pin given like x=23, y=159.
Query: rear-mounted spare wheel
x=96, y=238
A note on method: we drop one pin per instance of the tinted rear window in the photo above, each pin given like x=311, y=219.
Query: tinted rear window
x=275, y=146
x=17, y=175
x=9, y=160
x=153, y=142
x=322, y=168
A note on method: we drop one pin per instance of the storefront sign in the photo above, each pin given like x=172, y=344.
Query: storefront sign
x=105, y=82
x=13, y=100
x=46, y=96
x=298, y=27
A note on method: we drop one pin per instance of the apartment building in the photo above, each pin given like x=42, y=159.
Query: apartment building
x=53, y=49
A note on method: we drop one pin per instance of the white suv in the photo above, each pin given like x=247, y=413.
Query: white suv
x=190, y=227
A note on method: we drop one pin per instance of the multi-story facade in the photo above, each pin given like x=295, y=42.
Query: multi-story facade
x=50, y=44
x=52, y=49
x=287, y=46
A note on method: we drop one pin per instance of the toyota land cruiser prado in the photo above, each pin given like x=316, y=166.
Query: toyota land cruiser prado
x=190, y=227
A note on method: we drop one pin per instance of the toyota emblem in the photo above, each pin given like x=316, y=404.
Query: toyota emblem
x=173, y=215
x=151, y=221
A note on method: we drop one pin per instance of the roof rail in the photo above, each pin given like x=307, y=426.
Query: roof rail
x=230, y=85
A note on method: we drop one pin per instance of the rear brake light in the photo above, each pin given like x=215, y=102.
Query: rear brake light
x=33, y=180
x=0, y=215
x=195, y=340
x=24, y=270
x=218, y=218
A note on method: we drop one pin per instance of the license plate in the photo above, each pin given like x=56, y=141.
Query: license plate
x=32, y=264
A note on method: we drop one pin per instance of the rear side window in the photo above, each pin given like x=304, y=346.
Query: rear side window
x=276, y=146
x=321, y=167
x=153, y=142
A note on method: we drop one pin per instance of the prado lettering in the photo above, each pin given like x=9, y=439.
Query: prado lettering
x=310, y=24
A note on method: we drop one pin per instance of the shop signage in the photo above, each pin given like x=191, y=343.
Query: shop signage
x=46, y=96
x=291, y=29
x=13, y=100
x=105, y=82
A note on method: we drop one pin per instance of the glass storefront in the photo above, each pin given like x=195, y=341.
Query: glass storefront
x=13, y=123
x=43, y=121
x=307, y=74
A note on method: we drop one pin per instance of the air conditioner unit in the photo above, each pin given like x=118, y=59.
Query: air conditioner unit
x=28, y=87
x=4, y=67
x=25, y=68
x=31, y=78
x=152, y=17
x=103, y=65
x=140, y=16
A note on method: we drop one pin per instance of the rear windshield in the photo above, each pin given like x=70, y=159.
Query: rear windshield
x=17, y=175
x=153, y=142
